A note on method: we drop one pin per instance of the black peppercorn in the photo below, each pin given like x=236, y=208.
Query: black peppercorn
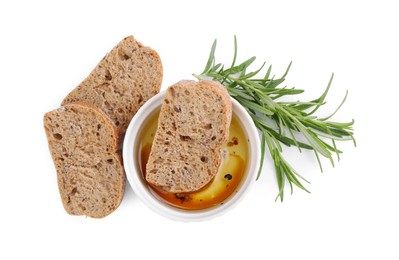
x=228, y=176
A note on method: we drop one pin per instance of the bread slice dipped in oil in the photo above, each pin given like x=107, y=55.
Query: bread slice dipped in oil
x=83, y=143
x=193, y=125
x=122, y=82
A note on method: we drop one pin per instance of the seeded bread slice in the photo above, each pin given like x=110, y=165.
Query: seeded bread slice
x=83, y=143
x=122, y=82
x=192, y=127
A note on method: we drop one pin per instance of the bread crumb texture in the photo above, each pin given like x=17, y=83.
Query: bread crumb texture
x=83, y=143
x=193, y=125
x=122, y=82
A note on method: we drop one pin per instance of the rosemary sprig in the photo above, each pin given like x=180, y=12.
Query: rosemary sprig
x=280, y=121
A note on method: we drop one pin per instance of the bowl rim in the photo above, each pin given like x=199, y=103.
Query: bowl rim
x=140, y=187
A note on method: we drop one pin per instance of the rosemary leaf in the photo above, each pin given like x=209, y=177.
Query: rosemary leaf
x=280, y=121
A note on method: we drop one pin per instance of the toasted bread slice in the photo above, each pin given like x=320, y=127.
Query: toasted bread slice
x=122, y=82
x=84, y=146
x=193, y=125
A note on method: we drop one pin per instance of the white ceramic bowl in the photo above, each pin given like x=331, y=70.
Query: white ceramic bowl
x=143, y=191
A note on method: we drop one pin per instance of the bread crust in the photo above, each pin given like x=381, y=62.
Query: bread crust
x=118, y=86
x=215, y=86
x=90, y=173
x=122, y=82
x=193, y=125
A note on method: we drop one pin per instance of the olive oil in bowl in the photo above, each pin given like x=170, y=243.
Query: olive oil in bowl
x=227, y=180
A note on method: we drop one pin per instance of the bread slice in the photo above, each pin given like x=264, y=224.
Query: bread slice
x=83, y=143
x=192, y=127
x=122, y=82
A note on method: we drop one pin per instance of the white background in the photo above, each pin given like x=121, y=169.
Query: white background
x=47, y=48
